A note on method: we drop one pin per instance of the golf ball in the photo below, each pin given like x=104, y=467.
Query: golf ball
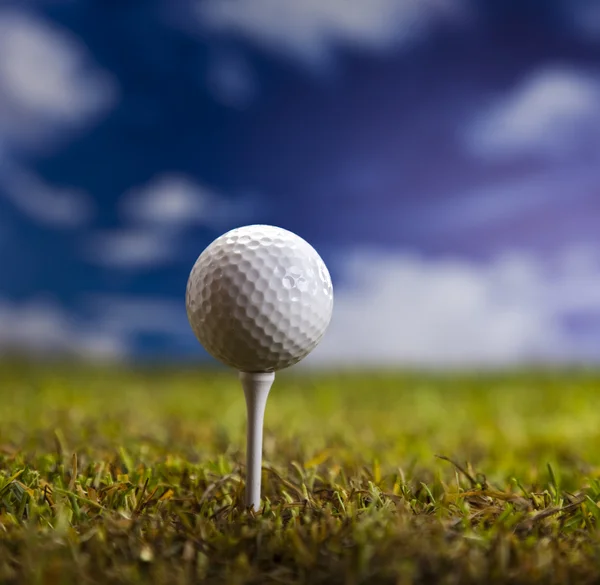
x=259, y=298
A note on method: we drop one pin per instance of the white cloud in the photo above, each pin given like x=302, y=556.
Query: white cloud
x=175, y=200
x=168, y=199
x=42, y=327
x=395, y=310
x=553, y=113
x=309, y=30
x=406, y=310
x=45, y=204
x=157, y=213
x=48, y=85
x=49, y=90
x=130, y=248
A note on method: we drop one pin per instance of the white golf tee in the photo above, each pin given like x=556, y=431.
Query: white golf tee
x=256, y=390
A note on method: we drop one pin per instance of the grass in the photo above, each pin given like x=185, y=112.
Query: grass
x=129, y=477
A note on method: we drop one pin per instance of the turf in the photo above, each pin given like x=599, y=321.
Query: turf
x=122, y=476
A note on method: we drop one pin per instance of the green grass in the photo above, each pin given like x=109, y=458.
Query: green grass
x=116, y=476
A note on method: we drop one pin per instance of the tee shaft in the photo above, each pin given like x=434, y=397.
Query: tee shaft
x=256, y=390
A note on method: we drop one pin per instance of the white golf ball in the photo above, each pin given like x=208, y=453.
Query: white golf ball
x=259, y=298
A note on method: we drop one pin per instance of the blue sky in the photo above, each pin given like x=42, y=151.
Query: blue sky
x=442, y=156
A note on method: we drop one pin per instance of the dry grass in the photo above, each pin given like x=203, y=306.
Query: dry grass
x=123, y=477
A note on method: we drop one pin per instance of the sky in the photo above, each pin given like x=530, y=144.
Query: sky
x=443, y=157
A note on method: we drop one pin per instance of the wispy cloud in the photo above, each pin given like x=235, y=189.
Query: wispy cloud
x=49, y=90
x=405, y=310
x=176, y=201
x=108, y=328
x=508, y=199
x=134, y=315
x=126, y=248
x=49, y=87
x=393, y=310
x=42, y=327
x=310, y=30
x=231, y=80
x=156, y=216
x=583, y=18
x=43, y=203
x=551, y=114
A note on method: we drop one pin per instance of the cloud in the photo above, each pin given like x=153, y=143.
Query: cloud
x=41, y=327
x=126, y=248
x=406, y=310
x=231, y=80
x=134, y=315
x=137, y=317
x=508, y=199
x=175, y=201
x=394, y=310
x=109, y=327
x=156, y=216
x=552, y=114
x=583, y=17
x=49, y=88
x=48, y=205
x=6, y=232
x=310, y=30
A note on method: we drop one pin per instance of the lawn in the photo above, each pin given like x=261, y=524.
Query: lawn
x=114, y=475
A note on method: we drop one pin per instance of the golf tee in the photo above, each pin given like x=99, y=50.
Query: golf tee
x=256, y=390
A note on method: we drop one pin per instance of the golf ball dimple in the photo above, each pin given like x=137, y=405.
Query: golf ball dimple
x=259, y=298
